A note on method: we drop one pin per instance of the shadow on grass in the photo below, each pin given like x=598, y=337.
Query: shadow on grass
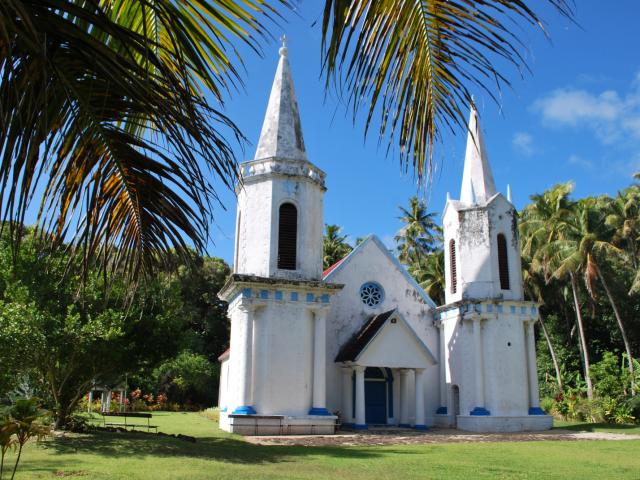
x=597, y=427
x=226, y=449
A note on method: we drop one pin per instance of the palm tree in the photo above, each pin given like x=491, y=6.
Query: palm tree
x=624, y=217
x=420, y=234
x=581, y=247
x=542, y=222
x=414, y=63
x=429, y=273
x=103, y=114
x=335, y=246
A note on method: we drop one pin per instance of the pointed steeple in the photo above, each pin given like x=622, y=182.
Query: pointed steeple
x=281, y=134
x=477, y=180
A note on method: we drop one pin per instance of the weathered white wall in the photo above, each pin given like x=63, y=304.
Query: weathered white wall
x=370, y=263
x=475, y=231
x=223, y=386
x=506, y=390
x=268, y=184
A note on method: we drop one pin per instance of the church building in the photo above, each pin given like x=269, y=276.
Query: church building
x=361, y=344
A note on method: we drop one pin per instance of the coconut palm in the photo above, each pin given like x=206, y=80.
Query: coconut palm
x=581, y=247
x=540, y=227
x=335, y=245
x=429, y=273
x=420, y=235
x=103, y=116
x=413, y=64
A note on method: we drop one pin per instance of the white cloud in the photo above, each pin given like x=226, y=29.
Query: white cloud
x=611, y=115
x=578, y=161
x=523, y=143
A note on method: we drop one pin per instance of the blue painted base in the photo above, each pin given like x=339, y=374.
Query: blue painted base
x=357, y=426
x=441, y=411
x=480, y=412
x=536, y=411
x=421, y=427
x=244, y=410
x=404, y=425
x=348, y=425
x=319, y=411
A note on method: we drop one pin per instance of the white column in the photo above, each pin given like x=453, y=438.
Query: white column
x=479, y=370
x=420, y=417
x=89, y=405
x=360, y=418
x=318, y=406
x=347, y=395
x=242, y=356
x=443, y=371
x=404, y=398
x=532, y=371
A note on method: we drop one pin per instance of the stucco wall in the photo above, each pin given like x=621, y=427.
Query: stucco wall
x=348, y=313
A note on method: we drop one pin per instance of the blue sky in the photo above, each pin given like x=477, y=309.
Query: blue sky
x=576, y=116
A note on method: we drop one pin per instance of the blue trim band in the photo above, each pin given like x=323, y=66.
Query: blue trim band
x=357, y=426
x=421, y=427
x=536, y=411
x=480, y=412
x=222, y=410
x=319, y=411
x=404, y=425
x=441, y=411
x=244, y=410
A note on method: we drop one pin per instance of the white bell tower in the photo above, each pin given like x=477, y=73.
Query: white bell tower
x=275, y=374
x=488, y=375
x=279, y=220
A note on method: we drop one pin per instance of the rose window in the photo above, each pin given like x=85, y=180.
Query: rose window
x=371, y=294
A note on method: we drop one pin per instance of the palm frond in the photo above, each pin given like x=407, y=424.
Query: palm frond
x=102, y=112
x=414, y=63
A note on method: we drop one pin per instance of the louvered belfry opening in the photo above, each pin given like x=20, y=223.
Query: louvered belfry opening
x=453, y=265
x=287, y=236
x=503, y=262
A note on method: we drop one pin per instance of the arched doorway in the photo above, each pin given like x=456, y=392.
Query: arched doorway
x=377, y=392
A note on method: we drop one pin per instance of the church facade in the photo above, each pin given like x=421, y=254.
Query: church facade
x=361, y=343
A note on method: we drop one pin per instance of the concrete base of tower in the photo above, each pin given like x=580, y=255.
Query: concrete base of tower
x=278, y=424
x=494, y=424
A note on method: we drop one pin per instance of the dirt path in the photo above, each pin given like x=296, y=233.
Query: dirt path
x=434, y=435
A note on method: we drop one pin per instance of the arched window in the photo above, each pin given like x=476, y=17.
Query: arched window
x=453, y=266
x=287, y=236
x=503, y=262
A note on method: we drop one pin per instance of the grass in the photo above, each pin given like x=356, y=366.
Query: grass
x=597, y=427
x=219, y=455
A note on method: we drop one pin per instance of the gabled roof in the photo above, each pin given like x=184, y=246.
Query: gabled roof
x=338, y=266
x=356, y=346
x=350, y=350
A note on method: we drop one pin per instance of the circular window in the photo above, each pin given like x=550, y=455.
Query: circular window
x=371, y=294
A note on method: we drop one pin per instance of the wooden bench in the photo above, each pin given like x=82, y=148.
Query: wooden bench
x=127, y=415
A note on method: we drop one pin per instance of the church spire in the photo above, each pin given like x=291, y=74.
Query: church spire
x=477, y=180
x=281, y=134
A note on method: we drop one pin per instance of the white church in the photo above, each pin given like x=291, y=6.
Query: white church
x=361, y=344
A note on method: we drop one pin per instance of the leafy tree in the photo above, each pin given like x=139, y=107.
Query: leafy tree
x=429, y=273
x=188, y=378
x=335, y=245
x=65, y=332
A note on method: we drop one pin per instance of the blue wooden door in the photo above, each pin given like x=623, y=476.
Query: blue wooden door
x=375, y=399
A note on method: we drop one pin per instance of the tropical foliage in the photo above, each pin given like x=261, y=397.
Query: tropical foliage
x=335, y=245
x=60, y=333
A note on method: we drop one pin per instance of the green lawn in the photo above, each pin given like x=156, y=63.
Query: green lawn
x=218, y=455
x=597, y=427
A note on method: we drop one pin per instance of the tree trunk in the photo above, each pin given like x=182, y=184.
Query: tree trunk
x=553, y=354
x=583, y=340
x=620, y=326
